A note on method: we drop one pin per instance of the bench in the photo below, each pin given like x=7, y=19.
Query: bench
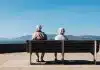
x=52, y=46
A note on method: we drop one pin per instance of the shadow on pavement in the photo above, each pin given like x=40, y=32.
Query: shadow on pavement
x=67, y=62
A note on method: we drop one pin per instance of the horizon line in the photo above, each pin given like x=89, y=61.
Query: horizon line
x=47, y=34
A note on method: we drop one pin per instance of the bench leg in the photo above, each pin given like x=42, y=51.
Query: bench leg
x=55, y=54
x=95, y=46
x=30, y=58
x=94, y=61
x=94, y=58
x=63, y=58
x=63, y=52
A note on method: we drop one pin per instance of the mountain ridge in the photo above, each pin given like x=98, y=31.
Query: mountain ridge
x=70, y=37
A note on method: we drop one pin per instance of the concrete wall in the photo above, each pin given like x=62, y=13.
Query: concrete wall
x=6, y=48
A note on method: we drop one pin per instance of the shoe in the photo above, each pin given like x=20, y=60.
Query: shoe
x=62, y=59
x=55, y=59
x=42, y=60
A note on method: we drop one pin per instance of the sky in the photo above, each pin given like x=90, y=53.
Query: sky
x=78, y=17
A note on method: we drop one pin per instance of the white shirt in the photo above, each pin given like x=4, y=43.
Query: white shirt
x=60, y=37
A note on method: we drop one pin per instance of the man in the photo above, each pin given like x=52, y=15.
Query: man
x=39, y=35
x=60, y=36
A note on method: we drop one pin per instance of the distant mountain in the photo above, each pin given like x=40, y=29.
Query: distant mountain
x=84, y=37
x=23, y=39
x=27, y=37
x=90, y=37
x=70, y=37
x=4, y=39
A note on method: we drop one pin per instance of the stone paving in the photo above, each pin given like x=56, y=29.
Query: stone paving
x=20, y=61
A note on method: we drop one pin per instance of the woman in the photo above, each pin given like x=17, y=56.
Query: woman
x=60, y=36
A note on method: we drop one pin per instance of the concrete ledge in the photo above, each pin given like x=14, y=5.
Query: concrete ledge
x=6, y=48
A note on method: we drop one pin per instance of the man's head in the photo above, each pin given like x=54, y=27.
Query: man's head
x=61, y=31
x=38, y=28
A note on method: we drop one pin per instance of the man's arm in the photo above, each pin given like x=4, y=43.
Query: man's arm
x=56, y=37
x=45, y=36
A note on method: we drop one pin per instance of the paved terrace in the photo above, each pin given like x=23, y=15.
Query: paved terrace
x=20, y=61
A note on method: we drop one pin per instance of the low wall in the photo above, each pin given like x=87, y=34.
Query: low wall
x=7, y=48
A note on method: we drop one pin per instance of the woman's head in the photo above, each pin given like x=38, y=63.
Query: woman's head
x=38, y=28
x=61, y=31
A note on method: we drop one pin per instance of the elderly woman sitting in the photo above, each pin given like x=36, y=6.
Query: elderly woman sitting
x=60, y=36
x=39, y=35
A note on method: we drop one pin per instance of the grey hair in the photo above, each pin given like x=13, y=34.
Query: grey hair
x=38, y=27
x=60, y=31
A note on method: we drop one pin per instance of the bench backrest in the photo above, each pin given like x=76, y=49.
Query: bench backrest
x=69, y=46
x=46, y=45
x=78, y=46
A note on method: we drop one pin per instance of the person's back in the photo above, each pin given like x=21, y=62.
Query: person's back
x=39, y=35
x=60, y=36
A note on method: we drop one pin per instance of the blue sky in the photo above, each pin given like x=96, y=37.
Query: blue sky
x=78, y=17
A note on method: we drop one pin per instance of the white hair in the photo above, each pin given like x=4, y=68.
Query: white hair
x=61, y=31
x=38, y=27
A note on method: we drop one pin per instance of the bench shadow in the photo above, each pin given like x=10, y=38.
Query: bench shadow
x=67, y=62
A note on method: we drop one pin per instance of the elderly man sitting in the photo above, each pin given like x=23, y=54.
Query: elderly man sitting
x=60, y=36
x=39, y=35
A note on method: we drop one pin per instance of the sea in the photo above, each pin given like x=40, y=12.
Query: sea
x=12, y=41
